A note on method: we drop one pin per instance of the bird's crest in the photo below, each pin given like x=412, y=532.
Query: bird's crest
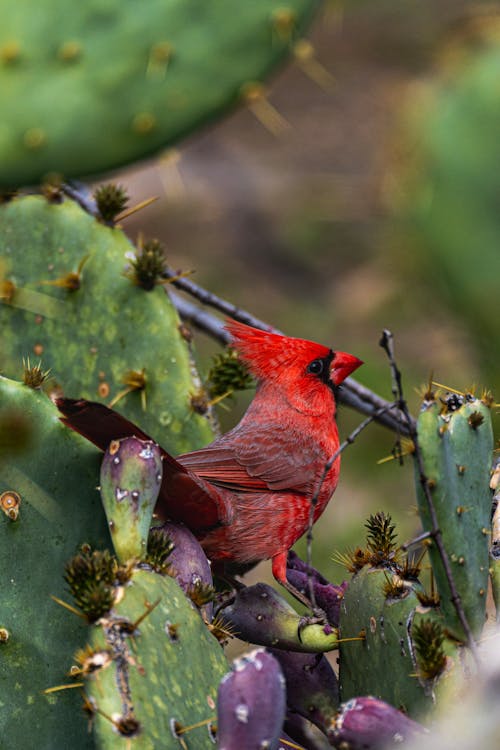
x=266, y=353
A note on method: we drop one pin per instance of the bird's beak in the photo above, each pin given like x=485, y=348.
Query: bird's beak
x=342, y=366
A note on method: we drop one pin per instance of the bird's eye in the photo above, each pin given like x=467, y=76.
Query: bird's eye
x=316, y=367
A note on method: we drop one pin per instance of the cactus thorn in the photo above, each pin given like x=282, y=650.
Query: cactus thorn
x=254, y=95
x=70, y=281
x=57, y=688
x=148, y=609
x=203, y=723
x=138, y=207
x=135, y=380
x=69, y=607
x=176, y=728
x=305, y=57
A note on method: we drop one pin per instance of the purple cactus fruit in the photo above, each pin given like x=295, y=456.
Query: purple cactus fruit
x=189, y=564
x=251, y=704
x=368, y=723
x=328, y=595
x=311, y=686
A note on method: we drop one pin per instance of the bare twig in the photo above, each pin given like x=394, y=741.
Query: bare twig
x=387, y=344
x=81, y=194
x=351, y=393
x=416, y=540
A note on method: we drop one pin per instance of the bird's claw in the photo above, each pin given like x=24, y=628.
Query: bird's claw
x=318, y=617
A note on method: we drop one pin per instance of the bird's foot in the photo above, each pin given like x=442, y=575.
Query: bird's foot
x=317, y=617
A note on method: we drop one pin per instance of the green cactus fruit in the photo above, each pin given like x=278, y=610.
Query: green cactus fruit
x=151, y=669
x=102, y=336
x=260, y=615
x=47, y=493
x=127, y=80
x=457, y=447
x=131, y=473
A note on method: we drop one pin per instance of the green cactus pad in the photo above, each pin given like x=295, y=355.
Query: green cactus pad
x=457, y=449
x=112, y=82
x=103, y=330
x=54, y=474
x=383, y=662
x=163, y=675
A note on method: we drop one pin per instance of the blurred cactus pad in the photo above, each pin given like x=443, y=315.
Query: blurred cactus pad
x=113, y=81
x=72, y=297
x=449, y=179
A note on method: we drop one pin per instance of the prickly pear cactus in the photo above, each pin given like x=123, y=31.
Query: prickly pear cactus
x=102, y=335
x=158, y=669
x=125, y=79
x=150, y=667
x=456, y=441
x=399, y=653
x=47, y=485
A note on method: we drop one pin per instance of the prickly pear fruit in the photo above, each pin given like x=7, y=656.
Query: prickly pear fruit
x=189, y=565
x=328, y=596
x=251, y=704
x=131, y=473
x=457, y=449
x=311, y=686
x=367, y=723
x=260, y=615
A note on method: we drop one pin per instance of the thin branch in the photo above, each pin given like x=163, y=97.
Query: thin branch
x=416, y=540
x=387, y=344
x=212, y=300
x=314, y=500
x=81, y=194
x=351, y=393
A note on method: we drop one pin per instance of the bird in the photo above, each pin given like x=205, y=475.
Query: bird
x=247, y=495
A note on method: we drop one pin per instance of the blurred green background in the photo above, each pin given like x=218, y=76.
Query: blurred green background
x=375, y=206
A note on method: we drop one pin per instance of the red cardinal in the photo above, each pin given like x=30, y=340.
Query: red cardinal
x=247, y=496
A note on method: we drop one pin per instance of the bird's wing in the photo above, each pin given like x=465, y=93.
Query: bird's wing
x=271, y=459
x=183, y=497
